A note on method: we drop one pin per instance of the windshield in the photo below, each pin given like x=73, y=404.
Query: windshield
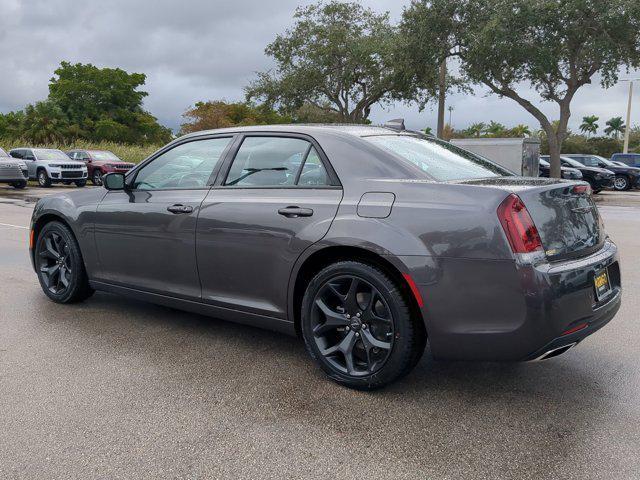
x=439, y=160
x=104, y=156
x=50, y=154
x=593, y=160
x=608, y=162
x=544, y=163
x=3, y=153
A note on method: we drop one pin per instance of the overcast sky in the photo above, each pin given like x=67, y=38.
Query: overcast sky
x=194, y=50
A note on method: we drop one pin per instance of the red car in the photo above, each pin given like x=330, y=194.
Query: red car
x=100, y=162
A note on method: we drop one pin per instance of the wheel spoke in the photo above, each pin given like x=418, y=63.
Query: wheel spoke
x=50, y=251
x=63, y=276
x=345, y=345
x=332, y=319
x=369, y=341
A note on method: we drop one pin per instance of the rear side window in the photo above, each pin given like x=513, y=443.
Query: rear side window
x=439, y=160
x=276, y=161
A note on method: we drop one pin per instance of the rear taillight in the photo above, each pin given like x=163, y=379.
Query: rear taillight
x=518, y=226
x=581, y=189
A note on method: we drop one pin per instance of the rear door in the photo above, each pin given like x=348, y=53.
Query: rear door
x=145, y=235
x=279, y=196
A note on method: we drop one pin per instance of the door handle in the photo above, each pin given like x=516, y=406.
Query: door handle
x=295, y=212
x=178, y=208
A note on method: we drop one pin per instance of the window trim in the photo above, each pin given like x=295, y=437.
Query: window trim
x=231, y=155
x=131, y=176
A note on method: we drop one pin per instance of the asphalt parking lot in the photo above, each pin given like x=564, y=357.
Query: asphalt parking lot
x=114, y=388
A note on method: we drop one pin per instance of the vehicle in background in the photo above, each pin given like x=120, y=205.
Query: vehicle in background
x=12, y=171
x=362, y=240
x=629, y=159
x=48, y=166
x=566, y=172
x=599, y=178
x=99, y=163
x=626, y=177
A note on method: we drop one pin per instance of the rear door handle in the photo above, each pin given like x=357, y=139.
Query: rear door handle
x=178, y=208
x=294, y=212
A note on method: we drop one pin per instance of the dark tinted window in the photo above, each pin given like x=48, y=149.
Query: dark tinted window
x=16, y=153
x=268, y=162
x=439, y=160
x=188, y=165
x=313, y=171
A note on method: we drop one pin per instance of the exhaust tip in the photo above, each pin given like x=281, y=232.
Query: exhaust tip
x=554, y=352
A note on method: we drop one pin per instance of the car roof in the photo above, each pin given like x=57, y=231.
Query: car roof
x=310, y=129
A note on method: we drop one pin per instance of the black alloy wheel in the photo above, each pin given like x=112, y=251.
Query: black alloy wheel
x=60, y=266
x=357, y=325
x=352, y=325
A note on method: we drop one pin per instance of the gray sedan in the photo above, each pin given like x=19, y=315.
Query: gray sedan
x=12, y=171
x=366, y=242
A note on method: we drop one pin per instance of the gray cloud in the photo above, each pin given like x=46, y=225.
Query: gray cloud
x=198, y=50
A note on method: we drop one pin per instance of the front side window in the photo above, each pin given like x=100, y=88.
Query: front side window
x=439, y=160
x=188, y=165
x=276, y=161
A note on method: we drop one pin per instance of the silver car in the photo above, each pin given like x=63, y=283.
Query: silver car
x=49, y=165
x=12, y=171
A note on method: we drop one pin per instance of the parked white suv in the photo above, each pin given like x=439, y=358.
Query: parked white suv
x=48, y=165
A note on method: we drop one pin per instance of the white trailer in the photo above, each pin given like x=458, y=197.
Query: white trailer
x=520, y=155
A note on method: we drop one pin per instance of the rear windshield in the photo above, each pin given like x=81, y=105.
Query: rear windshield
x=104, y=156
x=47, y=154
x=439, y=160
x=3, y=153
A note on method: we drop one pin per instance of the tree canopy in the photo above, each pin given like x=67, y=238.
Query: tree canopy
x=221, y=114
x=553, y=46
x=87, y=102
x=337, y=58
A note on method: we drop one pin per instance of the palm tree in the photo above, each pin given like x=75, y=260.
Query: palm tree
x=615, y=126
x=589, y=125
x=476, y=129
x=428, y=131
x=496, y=129
x=520, y=131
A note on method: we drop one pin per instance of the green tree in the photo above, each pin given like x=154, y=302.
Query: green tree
x=104, y=104
x=589, y=124
x=615, y=127
x=520, y=131
x=554, y=46
x=476, y=129
x=44, y=122
x=338, y=56
x=495, y=129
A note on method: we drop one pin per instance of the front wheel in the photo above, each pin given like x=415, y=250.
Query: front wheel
x=621, y=183
x=19, y=185
x=59, y=265
x=81, y=183
x=357, y=326
x=43, y=179
x=96, y=178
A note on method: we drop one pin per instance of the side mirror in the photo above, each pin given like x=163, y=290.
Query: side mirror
x=114, y=181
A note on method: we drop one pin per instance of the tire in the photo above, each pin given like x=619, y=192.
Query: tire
x=383, y=347
x=621, y=183
x=43, y=179
x=81, y=183
x=59, y=264
x=96, y=177
x=19, y=185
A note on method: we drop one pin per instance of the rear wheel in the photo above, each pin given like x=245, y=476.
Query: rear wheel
x=357, y=326
x=43, y=178
x=621, y=183
x=59, y=264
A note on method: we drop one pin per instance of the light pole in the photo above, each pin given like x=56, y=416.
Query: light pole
x=627, y=128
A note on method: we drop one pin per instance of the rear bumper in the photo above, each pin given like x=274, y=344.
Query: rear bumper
x=501, y=311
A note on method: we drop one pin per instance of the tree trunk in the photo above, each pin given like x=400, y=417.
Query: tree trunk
x=442, y=89
x=554, y=154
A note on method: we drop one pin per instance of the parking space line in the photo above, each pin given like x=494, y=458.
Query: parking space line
x=14, y=226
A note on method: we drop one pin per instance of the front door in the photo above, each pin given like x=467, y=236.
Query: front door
x=277, y=199
x=145, y=235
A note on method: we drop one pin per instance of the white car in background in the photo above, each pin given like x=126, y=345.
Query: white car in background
x=48, y=165
x=12, y=171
